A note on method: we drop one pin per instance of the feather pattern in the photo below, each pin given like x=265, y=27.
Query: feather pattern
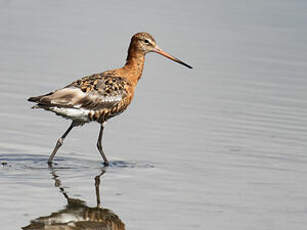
x=96, y=97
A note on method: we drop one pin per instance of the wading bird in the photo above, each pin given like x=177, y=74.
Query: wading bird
x=99, y=97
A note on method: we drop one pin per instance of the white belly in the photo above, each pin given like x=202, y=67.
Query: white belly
x=72, y=113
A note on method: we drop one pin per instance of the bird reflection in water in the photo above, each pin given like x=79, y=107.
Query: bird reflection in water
x=77, y=215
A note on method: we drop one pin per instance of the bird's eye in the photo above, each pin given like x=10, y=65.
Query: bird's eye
x=146, y=41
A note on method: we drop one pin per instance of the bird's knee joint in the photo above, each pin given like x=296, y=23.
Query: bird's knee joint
x=60, y=141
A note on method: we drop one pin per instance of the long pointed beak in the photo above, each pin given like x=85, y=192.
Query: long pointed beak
x=160, y=51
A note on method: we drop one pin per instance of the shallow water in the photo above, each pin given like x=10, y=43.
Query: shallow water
x=222, y=146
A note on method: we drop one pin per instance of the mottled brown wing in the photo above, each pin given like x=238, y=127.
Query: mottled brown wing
x=102, y=91
x=93, y=92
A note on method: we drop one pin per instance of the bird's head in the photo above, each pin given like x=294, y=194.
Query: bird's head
x=145, y=43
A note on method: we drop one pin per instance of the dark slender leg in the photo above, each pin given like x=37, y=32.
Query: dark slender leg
x=59, y=143
x=99, y=146
x=97, y=184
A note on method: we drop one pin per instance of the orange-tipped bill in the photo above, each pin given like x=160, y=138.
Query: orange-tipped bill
x=160, y=51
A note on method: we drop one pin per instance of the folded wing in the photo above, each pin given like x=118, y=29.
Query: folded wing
x=89, y=94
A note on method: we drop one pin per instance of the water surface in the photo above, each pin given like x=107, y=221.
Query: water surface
x=222, y=146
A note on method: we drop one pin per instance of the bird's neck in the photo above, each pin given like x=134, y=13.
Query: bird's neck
x=134, y=65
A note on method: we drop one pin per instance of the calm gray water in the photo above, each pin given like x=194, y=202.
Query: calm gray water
x=222, y=146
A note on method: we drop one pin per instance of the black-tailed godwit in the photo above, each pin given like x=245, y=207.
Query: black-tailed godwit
x=99, y=97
